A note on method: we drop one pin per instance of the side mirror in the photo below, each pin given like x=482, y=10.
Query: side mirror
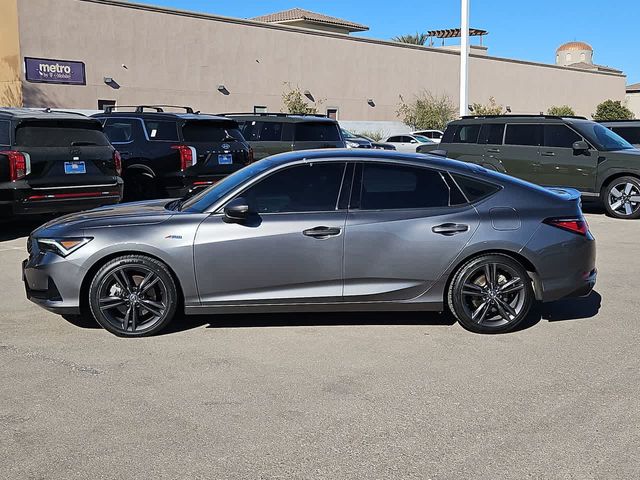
x=236, y=211
x=580, y=147
x=413, y=140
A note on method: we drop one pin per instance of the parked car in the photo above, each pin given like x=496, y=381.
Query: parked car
x=54, y=162
x=358, y=229
x=552, y=151
x=378, y=145
x=434, y=135
x=167, y=154
x=627, y=129
x=408, y=143
x=272, y=133
x=355, y=141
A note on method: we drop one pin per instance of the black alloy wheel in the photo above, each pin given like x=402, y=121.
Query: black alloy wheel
x=133, y=296
x=491, y=294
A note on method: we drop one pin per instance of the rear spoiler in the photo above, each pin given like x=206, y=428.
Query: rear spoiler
x=569, y=194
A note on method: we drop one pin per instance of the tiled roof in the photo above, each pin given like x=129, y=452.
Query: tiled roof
x=574, y=46
x=300, y=14
x=593, y=66
x=634, y=87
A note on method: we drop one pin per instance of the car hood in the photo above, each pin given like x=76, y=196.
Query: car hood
x=630, y=151
x=126, y=214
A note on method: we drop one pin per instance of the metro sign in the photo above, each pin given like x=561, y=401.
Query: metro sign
x=44, y=70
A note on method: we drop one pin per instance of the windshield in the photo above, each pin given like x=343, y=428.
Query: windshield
x=348, y=134
x=203, y=200
x=604, y=139
x=422, y=139
x=60, y=133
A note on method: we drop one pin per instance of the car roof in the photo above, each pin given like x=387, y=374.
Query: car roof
x=162, y=115
x=480, y=119
x=355, y=154
x=8, y=113
x=280, y=117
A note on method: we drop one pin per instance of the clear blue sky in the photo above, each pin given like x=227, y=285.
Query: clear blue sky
x=521, y=29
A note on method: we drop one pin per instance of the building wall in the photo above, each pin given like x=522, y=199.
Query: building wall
x=633, y=103
x=10, y=70
x=181, y=58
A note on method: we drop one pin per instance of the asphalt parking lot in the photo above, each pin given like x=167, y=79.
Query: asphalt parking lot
x=336, y=396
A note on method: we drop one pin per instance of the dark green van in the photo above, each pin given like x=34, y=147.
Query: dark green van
x=551, y=151
x=272, y=133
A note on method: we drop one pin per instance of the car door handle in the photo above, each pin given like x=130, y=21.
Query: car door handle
x=449, y=229
x=322, y=232
x=548, y=154
x=493, y=150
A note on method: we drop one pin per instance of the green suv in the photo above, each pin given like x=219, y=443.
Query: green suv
x=271, y=133
x=551, y=151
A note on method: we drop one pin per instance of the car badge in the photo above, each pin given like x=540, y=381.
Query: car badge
x=225, y=146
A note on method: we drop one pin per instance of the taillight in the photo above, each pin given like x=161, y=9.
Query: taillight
x=575, y=225
x=19, y=165
x=250, y=156
x=187, y=155
x=117, y=162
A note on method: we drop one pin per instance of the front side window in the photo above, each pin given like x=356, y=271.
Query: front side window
x=161, y=130
x=466, y=134
x=560, y=136
x=603, y=138
x=121, y=130
x=312, y=187
x=401, y=187
x=317, y=132
x=523, y=134
x=394, y=139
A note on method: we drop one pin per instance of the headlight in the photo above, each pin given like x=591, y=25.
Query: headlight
x=62, y=246
x=352, y=144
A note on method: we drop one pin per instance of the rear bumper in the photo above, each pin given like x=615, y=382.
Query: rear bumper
x=33, y=201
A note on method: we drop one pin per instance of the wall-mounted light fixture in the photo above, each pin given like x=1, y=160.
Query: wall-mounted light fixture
x=508, y=108
x=470, y=107
x=223, y=90
x=371, y=102
x=309, y=95
x=108, y=80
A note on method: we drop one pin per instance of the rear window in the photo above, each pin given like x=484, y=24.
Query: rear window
x=630, y=134
x=449, y=132
x=4, y=132
x=317, y=132
x=60, y=134
x=203, y=131
x=474, y=189
x=160, y=130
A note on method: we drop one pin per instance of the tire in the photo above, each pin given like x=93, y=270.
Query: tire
x=133, y=296
x=621, y=198
x=482, y=309
x=139, y=185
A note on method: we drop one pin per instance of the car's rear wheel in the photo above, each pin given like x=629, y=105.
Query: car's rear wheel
x=491, y=294
x=133, y=296
x=139, y=185
x=621, y=198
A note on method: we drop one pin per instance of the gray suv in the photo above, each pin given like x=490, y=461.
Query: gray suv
x=272, y=133
x=551, y=151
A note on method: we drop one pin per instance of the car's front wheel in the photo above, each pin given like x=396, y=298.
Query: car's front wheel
x=133, y=296
x=491, y=294
x=621, y=198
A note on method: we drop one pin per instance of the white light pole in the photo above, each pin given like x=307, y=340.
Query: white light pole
x=464, y=58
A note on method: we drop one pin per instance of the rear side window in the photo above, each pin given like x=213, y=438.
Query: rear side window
x=491, y=134
x=161, y=130
x=523, y=134
x=317, y=132
x=60, y=134
x=560, y=136
x=449, y=132
x=466, y=134
x=5, y=138
x=474, y=189
x=401, y=187
x=204, y=131
x=630, y=134
x=263, y=131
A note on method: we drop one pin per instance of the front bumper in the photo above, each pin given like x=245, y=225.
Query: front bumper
x=52, y=283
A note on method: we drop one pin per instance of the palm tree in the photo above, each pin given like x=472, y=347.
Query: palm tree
x=417, y=39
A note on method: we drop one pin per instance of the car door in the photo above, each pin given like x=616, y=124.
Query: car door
x=289, y=251
x=561, y=165
x=519, y=155
x=491, y=137
x=401, y=232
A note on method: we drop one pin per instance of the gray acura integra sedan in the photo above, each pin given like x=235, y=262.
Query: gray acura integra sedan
x=318, y=231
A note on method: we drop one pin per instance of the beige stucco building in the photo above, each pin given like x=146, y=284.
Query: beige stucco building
x=633, y=99
x=138, y=54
